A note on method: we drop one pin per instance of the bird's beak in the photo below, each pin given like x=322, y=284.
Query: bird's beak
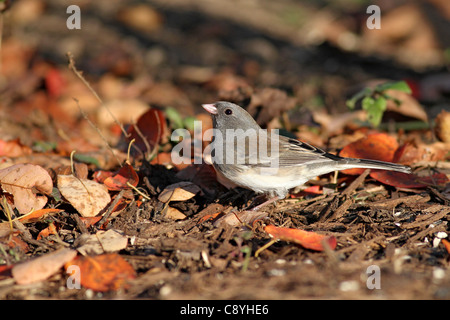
x=210, y=107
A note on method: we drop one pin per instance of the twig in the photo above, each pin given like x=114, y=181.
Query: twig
x=98, y=131
x=80, y=76
x=111, y=208
x=264, y=247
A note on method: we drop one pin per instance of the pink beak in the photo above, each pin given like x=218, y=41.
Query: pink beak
x=210, y=107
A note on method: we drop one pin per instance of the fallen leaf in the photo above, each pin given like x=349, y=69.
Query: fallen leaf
x=22, y=181
x=174, y=214
x=54, y=82
x=120, y=180
x=211, y=217
x=376, y=146
x=442, y=126
x=248, y=217
x=86, y=196
x=446, y=245
x=51, y=229
x=152, y=125
x=5, y=271
x=16, y=243
x=307, y=239
x=90, y=221
x=417, y=152
x=180, y=191
x=408, y=107
x=103, y=242
x=140, y=17
x=103, y=272
x=405, y=180
x=43, y=267
x=203, y=175
x=269, y=103
x=212, y=212
x=38, y=215
x=13, y=148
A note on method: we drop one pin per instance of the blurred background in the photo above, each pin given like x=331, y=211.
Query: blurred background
x=181, y=53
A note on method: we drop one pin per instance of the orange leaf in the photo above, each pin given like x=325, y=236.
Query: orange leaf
x=119, y=181
x=103, y=272
x=90, y=221
x=212, y=216
x=446, y=245
x=38, y=215
x=376, y=146
x=51, y=229
x=307, y=239
x=13, y=148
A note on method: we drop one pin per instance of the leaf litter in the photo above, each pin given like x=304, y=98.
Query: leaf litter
x=150, y=228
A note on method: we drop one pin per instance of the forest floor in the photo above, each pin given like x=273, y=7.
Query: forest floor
x=293, y=66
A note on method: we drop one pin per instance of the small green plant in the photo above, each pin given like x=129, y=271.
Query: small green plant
x=374, y=100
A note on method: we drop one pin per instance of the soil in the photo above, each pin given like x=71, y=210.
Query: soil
x=388, y=238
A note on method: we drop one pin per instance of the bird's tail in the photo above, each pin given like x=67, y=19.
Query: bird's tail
x=349, y=163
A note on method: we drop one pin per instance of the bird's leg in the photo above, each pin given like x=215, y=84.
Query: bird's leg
x=265, y=203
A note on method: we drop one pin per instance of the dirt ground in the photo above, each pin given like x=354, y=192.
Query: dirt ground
x=185, y=53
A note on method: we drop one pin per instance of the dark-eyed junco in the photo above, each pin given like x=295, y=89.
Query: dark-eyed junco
x=239, y=154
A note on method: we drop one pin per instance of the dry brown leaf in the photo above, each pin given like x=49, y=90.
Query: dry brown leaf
x=22, y=181
x=174, y=214
x=42, y=267
x=409, y=106
x=180, y=191
x=141, y=17
x=103, y=242
x=86, y=196
x=442, y=128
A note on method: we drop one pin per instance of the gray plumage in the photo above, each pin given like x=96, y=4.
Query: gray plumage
x=284, y=164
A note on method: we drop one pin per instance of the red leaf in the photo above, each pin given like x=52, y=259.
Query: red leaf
x=405, y=180
x=120, y=180
x=307, y=239
x=54, y=82
x=152, y=125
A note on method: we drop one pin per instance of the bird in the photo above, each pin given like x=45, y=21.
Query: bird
x=290, y=163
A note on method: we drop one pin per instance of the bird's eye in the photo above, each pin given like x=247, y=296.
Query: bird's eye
x=228, y=112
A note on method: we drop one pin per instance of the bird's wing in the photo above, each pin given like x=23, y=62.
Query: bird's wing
x=292, y=152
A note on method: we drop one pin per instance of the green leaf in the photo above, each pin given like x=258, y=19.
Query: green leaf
x=174, y=117
x=399, y=86
x=375, y=109
x=189, y=123
x=361, y=94
x=86, y=159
